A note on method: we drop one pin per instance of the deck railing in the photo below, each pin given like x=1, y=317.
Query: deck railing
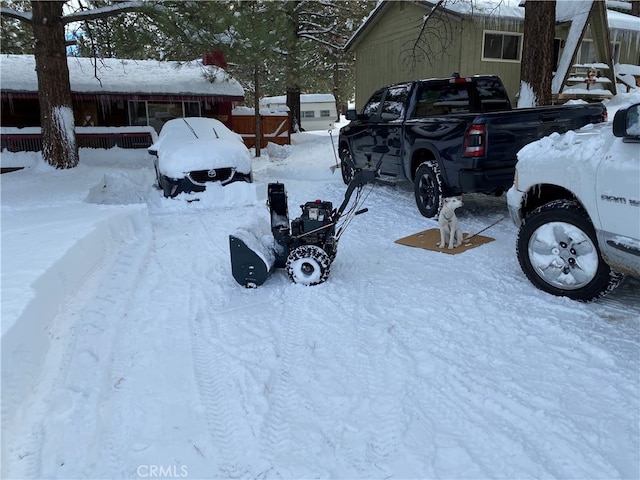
x=14, y=140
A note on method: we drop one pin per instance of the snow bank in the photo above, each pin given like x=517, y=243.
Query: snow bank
x=91, y=238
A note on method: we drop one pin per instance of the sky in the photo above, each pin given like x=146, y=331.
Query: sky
x=129, y=351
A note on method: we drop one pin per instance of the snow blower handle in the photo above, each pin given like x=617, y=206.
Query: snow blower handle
x=359, y=180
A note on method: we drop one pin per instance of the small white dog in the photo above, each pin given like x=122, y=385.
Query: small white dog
x=450, y=232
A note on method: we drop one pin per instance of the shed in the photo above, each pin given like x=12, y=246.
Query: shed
x=112, y=92
x=317, y=110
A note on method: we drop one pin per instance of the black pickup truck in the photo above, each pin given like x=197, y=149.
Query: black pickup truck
x=450, y=136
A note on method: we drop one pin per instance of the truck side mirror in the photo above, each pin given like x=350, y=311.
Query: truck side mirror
x=626, y=122
x=351, y=115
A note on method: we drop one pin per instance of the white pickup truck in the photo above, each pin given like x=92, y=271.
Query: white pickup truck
x=576, y=201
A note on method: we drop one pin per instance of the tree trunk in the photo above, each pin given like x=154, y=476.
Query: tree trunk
x=635, y=8
x=59, y=147
x=336, y=89
x=292, y=65
x=536, y=68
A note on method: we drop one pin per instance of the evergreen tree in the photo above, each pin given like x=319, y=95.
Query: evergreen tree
x=48, y=20
x=17, y=37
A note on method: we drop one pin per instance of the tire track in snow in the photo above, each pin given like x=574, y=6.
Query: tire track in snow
x=282, y=391
x=217, y=376
x=481, y=413
x=90, y=331
x=384, y=388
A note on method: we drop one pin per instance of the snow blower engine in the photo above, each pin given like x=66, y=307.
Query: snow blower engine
x=308, y=246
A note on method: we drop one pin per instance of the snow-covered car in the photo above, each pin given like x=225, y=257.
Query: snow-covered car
x=576, y=201
x=192, y=152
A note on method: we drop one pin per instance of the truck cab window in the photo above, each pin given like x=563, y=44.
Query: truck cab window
x=394, y=101
x=442, y=100
x=371, y=108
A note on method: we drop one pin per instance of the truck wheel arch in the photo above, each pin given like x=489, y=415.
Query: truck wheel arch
x=538, y=195
x=418, y=157
x=541, y=194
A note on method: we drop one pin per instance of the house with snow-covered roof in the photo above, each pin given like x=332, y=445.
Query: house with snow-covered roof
x=486, y=37
x=110, y=92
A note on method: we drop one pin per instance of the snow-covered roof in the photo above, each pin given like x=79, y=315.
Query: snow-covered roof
x=507, y=9
x=119, y=76
x=304, y=98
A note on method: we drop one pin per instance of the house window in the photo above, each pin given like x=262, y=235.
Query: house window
x=156, y=114
x=325, y=113
x=502, y=46
x=307, y=114
x=191, y=109
x=587, y=52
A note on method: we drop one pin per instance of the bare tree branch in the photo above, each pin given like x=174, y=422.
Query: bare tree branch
x=104, y=12
x=432, y=41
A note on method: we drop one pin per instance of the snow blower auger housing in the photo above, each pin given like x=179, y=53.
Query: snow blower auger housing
x=306, y=247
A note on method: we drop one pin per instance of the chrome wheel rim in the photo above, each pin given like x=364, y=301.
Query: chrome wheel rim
x=563, y=255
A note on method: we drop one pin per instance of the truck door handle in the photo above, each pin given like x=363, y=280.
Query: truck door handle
x=547, y=119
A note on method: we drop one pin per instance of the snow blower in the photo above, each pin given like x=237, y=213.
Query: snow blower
x=307, y=247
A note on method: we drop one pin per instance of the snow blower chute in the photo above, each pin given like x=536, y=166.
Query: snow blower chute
x=307, y=247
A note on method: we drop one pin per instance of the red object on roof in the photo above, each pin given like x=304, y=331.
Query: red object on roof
x=215, y=57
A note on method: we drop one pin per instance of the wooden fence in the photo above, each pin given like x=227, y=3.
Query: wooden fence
x=274, y=129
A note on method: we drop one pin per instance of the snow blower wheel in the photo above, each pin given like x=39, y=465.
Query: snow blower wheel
x=308, y=265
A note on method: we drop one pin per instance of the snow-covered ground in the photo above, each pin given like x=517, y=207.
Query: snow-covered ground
x=129, y=351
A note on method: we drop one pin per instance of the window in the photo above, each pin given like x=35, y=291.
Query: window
x=372, y=106
x=191, y=109
x=325, y=113
x=307, y=114
x=587, y=52
x=502, y=46
x=442, y=99
x=393, y=105
x=156, y=114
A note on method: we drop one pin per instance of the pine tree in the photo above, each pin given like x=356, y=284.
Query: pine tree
x=48, y=21
x=17, y=37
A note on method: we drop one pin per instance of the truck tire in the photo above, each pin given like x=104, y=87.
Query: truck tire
x=558, y=251
x=308, y=265
x=347, y=165
x=427, y=187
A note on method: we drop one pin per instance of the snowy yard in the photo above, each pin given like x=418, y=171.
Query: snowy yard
x=129, y=351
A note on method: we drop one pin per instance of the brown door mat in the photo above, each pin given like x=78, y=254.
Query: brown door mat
x=429, y=240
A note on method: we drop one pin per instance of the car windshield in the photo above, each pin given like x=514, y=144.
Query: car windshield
x=196, y=127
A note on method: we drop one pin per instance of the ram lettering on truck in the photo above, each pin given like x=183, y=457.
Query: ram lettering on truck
x=450, y=136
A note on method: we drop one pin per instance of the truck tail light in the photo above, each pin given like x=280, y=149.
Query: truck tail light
x=475, y=141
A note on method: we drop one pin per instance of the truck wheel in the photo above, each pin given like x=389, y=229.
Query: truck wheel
x=558, y=252
x=427, y=186
x=347, y=165
x=308, y=265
